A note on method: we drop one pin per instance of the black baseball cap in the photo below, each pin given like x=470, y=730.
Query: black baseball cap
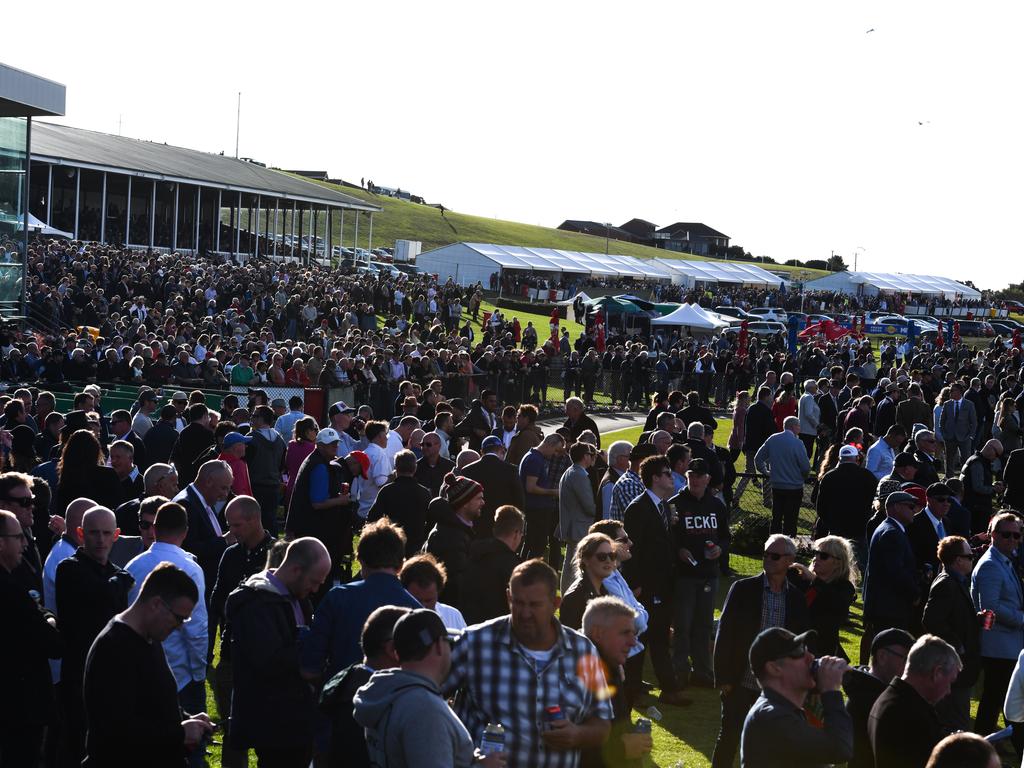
x=698, y=467
x=905, y=460
x=778, y=643
x=939, y=489
x=890, y=637
x=417, y=630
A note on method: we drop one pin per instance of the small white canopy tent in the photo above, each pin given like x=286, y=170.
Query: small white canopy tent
x=874, y=283
x=35, y=225
x=570, y=301
x=693, y=317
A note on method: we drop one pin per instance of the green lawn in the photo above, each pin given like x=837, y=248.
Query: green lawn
x=402, y=220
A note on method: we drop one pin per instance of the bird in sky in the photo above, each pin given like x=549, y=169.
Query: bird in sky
x=870, y=31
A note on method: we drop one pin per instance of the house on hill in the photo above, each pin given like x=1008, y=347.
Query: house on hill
x=595, y=228
x=691, y=237
x=642, y=231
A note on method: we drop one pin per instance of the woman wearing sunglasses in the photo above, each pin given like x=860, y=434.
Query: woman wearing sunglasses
x=595, y=560
x=829, y=586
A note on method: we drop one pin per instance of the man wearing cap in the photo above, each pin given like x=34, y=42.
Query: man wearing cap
x=340, y=416
x=180, y=402
x=776, y=731
x=891, y=584
x=407, y=720
x=501, y=480
x=904, y=470
x=700, y=533
x=844, y=499
x=753, y=605
x=234, y=454
x=930, y=526
x=317, y=506
x=863, y=685
x=451, y=536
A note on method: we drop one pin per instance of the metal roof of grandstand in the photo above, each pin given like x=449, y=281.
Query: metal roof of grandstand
x=721, y=271
x=63, y=144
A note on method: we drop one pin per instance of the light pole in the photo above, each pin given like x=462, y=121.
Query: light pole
x=856, y=253
x=607, y=233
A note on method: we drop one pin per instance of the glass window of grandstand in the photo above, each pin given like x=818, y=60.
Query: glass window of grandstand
x=163, y=227
x=117, y=208
x=90, y=204
x=187, y=202
x=13, y=167
x=62, y=202
x=142, y=193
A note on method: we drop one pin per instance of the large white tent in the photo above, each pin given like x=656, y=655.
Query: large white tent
x=873, y=283
x=467, y=263
x=736, y=272
x=691, y=316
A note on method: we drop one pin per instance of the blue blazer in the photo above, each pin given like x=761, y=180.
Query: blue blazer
x=996, y=587
x=890, y=580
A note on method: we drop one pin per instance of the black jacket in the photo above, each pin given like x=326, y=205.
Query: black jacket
x=449, y=542
x=581, y=425
x=202, y=540
x=902, y=727
x=862, y=691
x=272, y=704
x=27, y=645
x=844, y=501
x=700, y=521
x=432, y=477
x=1013, y=476
x=502, y=486
x=485, y=582
x=828, y=608
x=574, y=602
x=236, y=565
x=98, y=483
x=265, y=458
x=192, y=441
x=740, y=623
x=348, y=739
x=699, y=413
x=950, y=614
x=160, y=440
x=652, y=566
x=88, y=596
x=405, y=501
x=924, y=541
x=760, y=426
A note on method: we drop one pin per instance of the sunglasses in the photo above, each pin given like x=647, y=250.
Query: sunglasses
x=821, y=554
x=604, y=557
x=1010, y=534
x=145, y=525
x=24, y=501
x=776, y=555
x=177, y=616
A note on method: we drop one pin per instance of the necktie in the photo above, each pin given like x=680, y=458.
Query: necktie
x=956, y=410
x=663, y=509
x=941, y=531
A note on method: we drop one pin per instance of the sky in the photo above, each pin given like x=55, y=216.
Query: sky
x=886, y=130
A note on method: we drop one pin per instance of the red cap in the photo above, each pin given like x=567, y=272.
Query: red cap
x=363, y=459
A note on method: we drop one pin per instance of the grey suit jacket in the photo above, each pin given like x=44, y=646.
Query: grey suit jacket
x=576, y=506
x=964, y=426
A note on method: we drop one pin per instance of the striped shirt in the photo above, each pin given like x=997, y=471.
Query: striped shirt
x=773, y=614
x=627, y=488
x=499, y=681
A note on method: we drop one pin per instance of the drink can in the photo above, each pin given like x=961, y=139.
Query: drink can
x=345, y=487
x=988, y=619
x=493, y=740
x=654, y=713
x=709, y=544
x=643, y=725
x=553, y=714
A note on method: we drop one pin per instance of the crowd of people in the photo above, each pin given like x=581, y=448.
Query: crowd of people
x=434, y=575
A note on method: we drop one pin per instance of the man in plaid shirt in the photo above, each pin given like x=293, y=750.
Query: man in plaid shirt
x=629, y=486
x=509, y=670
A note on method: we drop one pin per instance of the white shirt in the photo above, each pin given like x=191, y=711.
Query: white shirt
x=61, y=551
x=185, y=648
x=394, y=445
x=141, y=424
x=381, y=468
x=880, y=459
x=452, y=617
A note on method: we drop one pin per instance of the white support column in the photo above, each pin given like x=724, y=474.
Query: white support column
x=369, y=242
x=341, y=227
x=355, y=237
x=329, y=254
x=256, y=248
x=238, y=225
x=292, y=247
x=78, y=196
x=216, y=228
x=103, y=210
x=277, y=207
x=152, y=212
x=49, y=196
x=174, y=229
x=128, y=215
x=199, y=203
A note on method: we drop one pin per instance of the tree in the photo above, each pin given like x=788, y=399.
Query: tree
x=836, y=264
x=816, y=264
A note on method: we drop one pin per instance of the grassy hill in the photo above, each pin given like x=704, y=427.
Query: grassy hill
x=402, y=220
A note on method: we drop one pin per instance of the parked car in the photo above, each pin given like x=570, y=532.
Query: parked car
x=770, y=313
x=927, y=318
x=1004, y=328
x=765, y=328
x=734, y=312
x=1014, y=306
x=386, y=269
x=975, y=328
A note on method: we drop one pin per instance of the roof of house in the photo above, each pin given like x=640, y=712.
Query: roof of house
x=63, y=144
x=594, y=228
x=639, y=225
x=695, y=229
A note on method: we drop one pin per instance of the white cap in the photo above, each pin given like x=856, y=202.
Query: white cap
x=846, y=452
x=327, y=436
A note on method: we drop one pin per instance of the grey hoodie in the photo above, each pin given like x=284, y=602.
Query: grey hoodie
x=408, y=723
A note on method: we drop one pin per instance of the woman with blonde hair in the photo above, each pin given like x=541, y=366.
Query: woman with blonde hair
x=829, y=587
x=594, y=561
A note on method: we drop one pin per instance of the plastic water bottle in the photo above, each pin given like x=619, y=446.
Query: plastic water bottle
x=493, y=740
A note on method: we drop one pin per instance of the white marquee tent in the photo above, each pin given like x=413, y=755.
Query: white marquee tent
x=692, y=316
x=736, y=272
x=873, y=283
x=467, y=263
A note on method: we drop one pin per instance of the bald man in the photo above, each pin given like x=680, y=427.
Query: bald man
x=272, y=707
x=89, y=591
